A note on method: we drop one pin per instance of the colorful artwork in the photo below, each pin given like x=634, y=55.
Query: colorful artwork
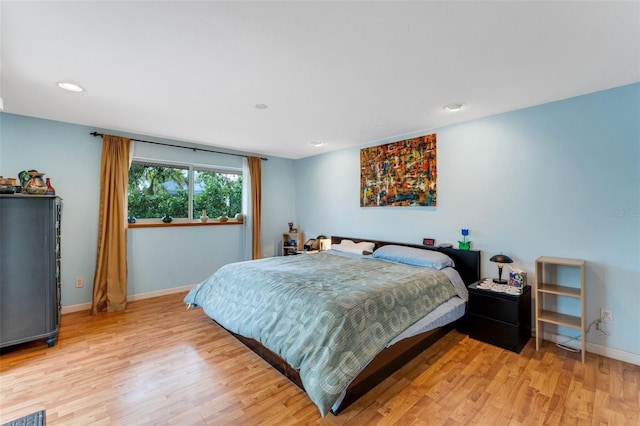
x=399, y=174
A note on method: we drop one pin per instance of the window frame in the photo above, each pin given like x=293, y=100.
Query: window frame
x=191, y=168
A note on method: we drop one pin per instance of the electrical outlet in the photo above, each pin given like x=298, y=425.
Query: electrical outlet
x=79, y=282
x=606, y=316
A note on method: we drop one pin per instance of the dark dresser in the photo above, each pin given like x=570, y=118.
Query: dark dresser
x=29, y=268
x=498, y=318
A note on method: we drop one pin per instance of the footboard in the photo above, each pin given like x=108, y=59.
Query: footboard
x=382, y=366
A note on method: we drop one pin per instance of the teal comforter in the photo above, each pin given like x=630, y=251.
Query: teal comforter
x=328, y=316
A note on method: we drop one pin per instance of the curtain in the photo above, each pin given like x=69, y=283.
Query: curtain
x=255, y=171
x=247, y=226
x=110, y=279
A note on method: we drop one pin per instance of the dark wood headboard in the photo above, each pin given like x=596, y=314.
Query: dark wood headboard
x=467, y=261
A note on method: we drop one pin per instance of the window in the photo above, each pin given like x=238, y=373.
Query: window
x=183, y=190
x=218, y=193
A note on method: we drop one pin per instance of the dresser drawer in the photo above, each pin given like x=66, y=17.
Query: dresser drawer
x=483, y=303
x=504, y=335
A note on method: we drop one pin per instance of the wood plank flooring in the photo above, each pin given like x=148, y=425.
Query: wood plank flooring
x=161, y=364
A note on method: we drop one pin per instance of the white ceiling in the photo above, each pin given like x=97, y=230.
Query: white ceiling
x=344, y=73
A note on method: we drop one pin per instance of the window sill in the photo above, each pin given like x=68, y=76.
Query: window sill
x=157, y=223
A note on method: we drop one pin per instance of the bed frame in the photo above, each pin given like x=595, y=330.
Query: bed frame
x=392, y=358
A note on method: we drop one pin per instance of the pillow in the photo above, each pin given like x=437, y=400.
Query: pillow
x=413, y=256
x=348, y=246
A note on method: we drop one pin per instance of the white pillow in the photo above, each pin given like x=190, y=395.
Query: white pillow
x=348, y=246
x=413, y=256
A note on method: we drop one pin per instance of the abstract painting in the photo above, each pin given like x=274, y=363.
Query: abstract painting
x=400, y=173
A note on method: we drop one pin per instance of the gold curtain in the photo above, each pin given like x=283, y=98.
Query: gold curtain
x=110, y=280
x=255, y=170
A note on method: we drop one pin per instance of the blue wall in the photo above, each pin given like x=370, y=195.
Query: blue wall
x=560, y=179
x=158, y=258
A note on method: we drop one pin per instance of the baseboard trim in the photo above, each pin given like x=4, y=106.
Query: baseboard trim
x=629, y=357
x=130, y=298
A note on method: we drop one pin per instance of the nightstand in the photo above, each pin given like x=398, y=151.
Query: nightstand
x=501, y=319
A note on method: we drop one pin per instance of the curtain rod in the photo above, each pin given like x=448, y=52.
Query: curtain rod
x=96, y=134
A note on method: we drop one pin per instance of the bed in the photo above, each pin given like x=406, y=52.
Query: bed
x=337, y=323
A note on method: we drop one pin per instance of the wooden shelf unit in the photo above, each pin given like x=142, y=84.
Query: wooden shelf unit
x=287, y=248
x=544, y=289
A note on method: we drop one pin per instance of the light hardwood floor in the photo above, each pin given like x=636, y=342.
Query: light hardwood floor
x=161, y=364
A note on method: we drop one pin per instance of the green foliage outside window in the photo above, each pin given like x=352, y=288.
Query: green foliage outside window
x=156, y=190
x=221, y=195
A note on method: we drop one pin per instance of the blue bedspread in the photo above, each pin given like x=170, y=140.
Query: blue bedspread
x=327, y=316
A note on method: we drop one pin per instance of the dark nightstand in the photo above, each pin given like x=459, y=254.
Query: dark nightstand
x=498, y=318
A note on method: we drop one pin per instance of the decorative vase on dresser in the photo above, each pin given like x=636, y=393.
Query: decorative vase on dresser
x=50, y=189
x=36, y=185
x=29, y=268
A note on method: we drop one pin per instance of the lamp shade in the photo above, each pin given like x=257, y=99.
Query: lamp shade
x=501, y=258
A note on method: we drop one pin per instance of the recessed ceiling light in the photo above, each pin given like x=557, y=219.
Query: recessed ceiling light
x=317, y=144
x=262, y=106
x=70, y=86
x=454, y=107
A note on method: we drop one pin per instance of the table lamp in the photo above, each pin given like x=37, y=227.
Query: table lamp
x=500, y=259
